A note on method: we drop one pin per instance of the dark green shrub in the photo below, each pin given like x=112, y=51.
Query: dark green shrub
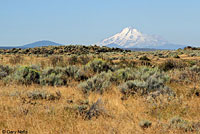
x=71, y=71
x=179, y=123
x=82, y=74
x=43, y=94
x=168, y=65
x=88, y=111
x=98, y=65
x=37, y=94
x=35, y=67
x=128, y=88
x=54, y=77
x=61, y=76
x=160, y=55
x=146, y=80
x=77, y=109
x=192, y=54
x=99, y=83
x=5, y=71
x=77, y=73
x=144, y=58
x=123, y=75
x=195, y=69
x=26, y=75
x=172, y=64
x=95, y=110
x=192, y=63
x=145, y=124
x=176, y=56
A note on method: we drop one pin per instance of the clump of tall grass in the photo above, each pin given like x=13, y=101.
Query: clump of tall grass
x=84, y=59
x=57, y=61
x=16, y=59
x=72, y=60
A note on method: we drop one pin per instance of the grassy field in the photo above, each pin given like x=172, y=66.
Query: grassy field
x=100, y=93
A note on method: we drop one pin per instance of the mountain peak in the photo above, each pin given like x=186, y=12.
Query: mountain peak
x=130, y=33
x=130, y=37
x=130, y=30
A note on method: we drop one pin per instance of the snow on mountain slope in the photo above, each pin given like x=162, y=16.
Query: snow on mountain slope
x=132, y=38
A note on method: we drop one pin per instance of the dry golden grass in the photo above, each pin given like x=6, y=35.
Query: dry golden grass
x=42, y=116
x=18, y=112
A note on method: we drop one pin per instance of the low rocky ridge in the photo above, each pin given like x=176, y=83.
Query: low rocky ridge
x=71, y=49
x=191, y=48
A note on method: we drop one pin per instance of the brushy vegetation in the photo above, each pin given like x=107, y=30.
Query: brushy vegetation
x=146, y=80
x=98, y=66
x=145, y=123
x=42, y=94
x=123, y=75
x=5, y=71
x=24, y=75
x=56, y=61
x=144, y=58
x=91, y=89
x=54, y=77
x=99, y=83
x=172, y=64
x=179, y=123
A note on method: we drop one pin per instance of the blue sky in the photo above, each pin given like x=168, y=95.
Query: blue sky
x=89, y=21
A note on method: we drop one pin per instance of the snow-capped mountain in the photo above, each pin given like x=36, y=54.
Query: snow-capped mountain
x=132, y=38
